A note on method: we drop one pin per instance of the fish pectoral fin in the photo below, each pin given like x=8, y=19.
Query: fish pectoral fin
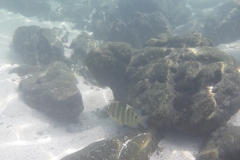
x=143, y=120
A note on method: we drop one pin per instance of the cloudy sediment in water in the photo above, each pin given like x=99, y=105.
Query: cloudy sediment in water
x=63, y=62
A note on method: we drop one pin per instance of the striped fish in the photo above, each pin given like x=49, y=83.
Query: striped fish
x=122, y=113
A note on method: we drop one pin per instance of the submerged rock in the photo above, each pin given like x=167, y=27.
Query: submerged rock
x=146, y=26
x=120, y=32
x=108, y=64
x=140, y=28
x=53, y=90
x=182, y=82
x=133, y=146
x=25, y=69
x=223, y=144
x=38, y=46
x=81, y=46
x=223, y=27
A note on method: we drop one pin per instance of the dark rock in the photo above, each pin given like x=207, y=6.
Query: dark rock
x=102, y=19
x=53, y=91
x=223, y=27
x=97, y=16
x=138, y=145
x=97, y=22
x=101, y=31
x=149, y=25
x=184, y=83
x=27, y=8
x=112, y=14
x=139, y=29
x=23, y=70
x=81, y=46
x=38, y=46
x=109, y=64
x=183, y=92
x=223, y=144
x=120, y=32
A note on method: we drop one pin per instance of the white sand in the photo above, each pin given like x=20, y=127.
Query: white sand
x=28, y=134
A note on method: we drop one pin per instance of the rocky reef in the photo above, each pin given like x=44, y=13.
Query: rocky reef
x=182, y=82
x=133, y=146
x=223, y=27
x=222, y=144
x=53, y=90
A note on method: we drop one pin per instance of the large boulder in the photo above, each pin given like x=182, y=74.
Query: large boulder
x=139, y=29
x=53, y=90
x=109, y=63
x=223, y=27
x=38, y=46
x=137, y=145
x=223, y=144
x=182, y=82
x=149, y=25
x=120, y=32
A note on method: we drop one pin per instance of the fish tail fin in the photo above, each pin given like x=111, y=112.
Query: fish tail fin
x=143, y=120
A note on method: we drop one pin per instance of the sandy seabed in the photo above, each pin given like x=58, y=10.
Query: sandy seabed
x=28, y=134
